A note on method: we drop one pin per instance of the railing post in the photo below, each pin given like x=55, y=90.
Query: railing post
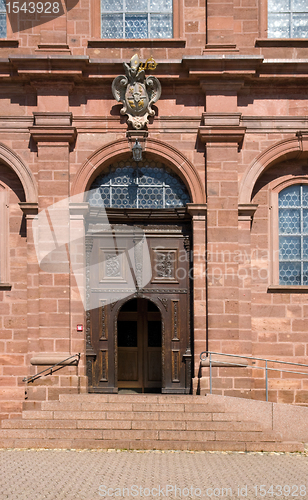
x=210, y=374
x=266, y=380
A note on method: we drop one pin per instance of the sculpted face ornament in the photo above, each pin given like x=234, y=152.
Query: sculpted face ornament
x=137, y=92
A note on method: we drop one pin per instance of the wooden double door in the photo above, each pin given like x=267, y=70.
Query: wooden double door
x=138, y=325
x=139, y=344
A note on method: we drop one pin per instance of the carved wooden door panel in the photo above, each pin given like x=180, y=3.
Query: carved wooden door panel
x=123, y=347
x=170, y=285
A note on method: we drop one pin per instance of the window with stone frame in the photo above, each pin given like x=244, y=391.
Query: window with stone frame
x=293, y=235
x=287, y=19
x=131, y=19
x=2, y=19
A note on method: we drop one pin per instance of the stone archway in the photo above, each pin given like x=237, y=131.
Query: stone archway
x=165, y=153
x=292, y=147
x=11, y=159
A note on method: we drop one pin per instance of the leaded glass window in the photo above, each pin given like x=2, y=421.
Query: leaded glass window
x=146, y=184
x=293, y=235
x=287, y=18
x=2, y=18
x=136, y=18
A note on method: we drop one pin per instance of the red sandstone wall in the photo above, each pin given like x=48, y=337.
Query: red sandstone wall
x=13, y=303
x=37, y=315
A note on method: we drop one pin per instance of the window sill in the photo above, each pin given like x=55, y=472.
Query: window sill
x=281, y=42
x=5, y=286
x=11, y=43
x=136, y=42
x=287, y=289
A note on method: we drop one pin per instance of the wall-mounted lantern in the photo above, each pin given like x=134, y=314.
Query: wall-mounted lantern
x=137, y=151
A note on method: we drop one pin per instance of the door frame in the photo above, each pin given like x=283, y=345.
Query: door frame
x=162, y=218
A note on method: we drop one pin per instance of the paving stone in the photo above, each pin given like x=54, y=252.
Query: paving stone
x=86, y=474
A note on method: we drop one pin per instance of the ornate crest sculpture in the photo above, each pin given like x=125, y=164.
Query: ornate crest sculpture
x=137, y=92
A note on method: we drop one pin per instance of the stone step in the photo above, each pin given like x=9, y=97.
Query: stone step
x=133, y=424
x=150, y=445
x=131, y=407
x=130, y=432
x=140, y=398
x=141, y=421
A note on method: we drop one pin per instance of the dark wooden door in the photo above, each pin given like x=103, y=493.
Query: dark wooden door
x=143, y=349
x=139, y=346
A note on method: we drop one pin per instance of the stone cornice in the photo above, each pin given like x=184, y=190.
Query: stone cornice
x=231, y=66
x=246, y=211
x=53, y=134
x=226, y=133
x=29, y=209
x=79, y=210
x=197, y=210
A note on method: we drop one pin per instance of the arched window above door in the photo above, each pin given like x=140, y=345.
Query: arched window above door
x=293, y=235
x=144, y=184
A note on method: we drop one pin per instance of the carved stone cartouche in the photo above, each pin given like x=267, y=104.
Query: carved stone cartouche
x=136, y=92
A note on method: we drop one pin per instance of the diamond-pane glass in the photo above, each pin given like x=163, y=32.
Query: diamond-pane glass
x=290, y=196
x=3, y=24
x=136, y=5
x=278, y=5
x=305, y=195
x=161, y=26
x=136, y=26
x=278, y=25
x=138, y=185
x=300, y=25
x=136, y=18
x=290, y=273
x=289, y=220
x=112, y=26
x=112, y=5
x=305, y=273
x=161, y=5
x=293, y=235
x=287, y=18
x=290, y=248
x=300, y=5
x=305, y=221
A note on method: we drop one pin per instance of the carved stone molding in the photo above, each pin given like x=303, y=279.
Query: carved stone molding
x=197, y=211
x=53, y=134
x=246, y=212
x=136, y=92
x=221, y=134
x=29, y=209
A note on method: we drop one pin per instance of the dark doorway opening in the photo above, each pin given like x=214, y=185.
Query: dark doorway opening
x=139, y=344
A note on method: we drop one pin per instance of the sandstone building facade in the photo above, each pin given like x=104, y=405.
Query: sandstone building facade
x=221, y=196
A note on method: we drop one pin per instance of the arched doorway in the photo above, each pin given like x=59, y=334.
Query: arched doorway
x=139, y=343
x=138, y=250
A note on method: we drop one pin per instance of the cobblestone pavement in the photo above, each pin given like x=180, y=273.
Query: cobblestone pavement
x=90, y=475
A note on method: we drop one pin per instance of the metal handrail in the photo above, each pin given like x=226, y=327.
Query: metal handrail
x=266, y=367
x=50, y=368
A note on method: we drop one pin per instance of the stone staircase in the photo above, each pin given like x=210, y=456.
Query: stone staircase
x=142, y=421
